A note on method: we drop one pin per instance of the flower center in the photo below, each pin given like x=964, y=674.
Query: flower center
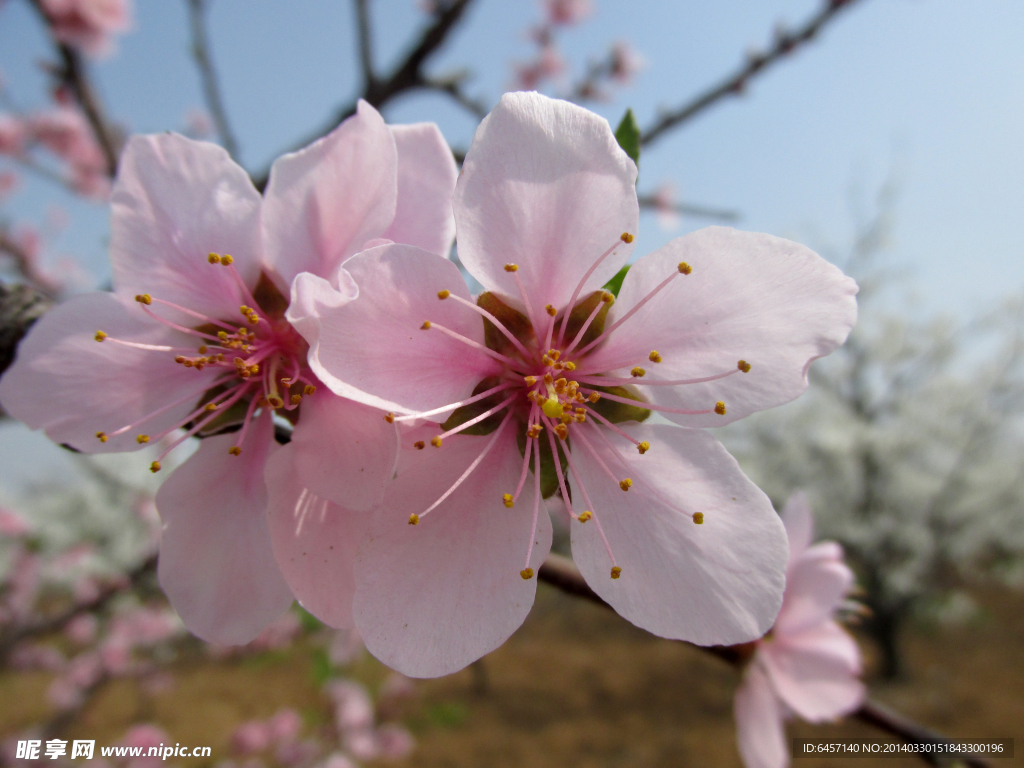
x=260, y=363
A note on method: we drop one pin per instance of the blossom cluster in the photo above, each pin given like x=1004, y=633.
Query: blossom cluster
x=427, y=426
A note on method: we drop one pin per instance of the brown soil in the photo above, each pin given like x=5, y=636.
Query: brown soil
x=576, y=686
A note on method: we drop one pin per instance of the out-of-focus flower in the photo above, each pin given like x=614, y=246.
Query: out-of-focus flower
x=198, y=124
x=807, y=666
x=88, y=24
x=624, y=62
x=285, y=725
x=665, y=200
x=13, y=135
x=65, y=132
x=82, y=629
x=193, y=239
x=568, y=12
x=12, y=524
x=145, y=736
x=546, y=210
x=251, y=737
x=353, y=707
x=9, y=182
x=549, y=64
x=394, y=742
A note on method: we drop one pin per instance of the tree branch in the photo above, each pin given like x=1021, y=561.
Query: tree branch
x=561, y=573
x=208, y=75
x=364, y=36
x=72, y=74
x=406, y=76
x=20, y=306
x=685, y=209
x=734, y=84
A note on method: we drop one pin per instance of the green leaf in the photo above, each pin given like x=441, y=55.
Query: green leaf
x=614, y=285
x=465, y=413
x=513, y=320
x=580, y=312
x=628, y=136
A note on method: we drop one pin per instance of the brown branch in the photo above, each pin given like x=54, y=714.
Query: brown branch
x=407, y=75
x=364, y=36
x=734, y=84
x=20, y=306
x=208, y=75
x=72, y=74
x=561, y=573
x=24, y=265
x=50, y=624
x=685, y=209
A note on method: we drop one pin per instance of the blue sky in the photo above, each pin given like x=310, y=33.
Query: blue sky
x=930, y=88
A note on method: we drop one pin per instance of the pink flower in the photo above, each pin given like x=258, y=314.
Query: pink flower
x=251, y=737
x=285, y=725
x=808, y=665
x=194, y=338
x=12, y=524
x=12, y=135
x=625, y=62
x=88, y=24
x=546, y=209
x=65, y=132
x=568, y=12
x=665, y=200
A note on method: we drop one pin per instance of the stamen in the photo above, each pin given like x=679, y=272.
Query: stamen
x=451, y=406
x=474, y=420
x=143, y=298
x=558, y=471
x=435, y=441
x=510, y=501
x=643, y=447
x=744, y=366
x=469, y=469
x=526, y=573
x=586, y=325
x=444, y=294
x=389, y=417
x=601, y=380
x=578, y=434
x=637, y=372
x=427, y=325
x=636, y=308
x=653, y=407
x=419, y=445
x=497, y=323
x=586, y=276
x=616, y=571
x=612, y=426
x=626, y=484
x=698, y=518
x=720, y=408
x=507, y=500
x=246, y=293
x=414, y=519
x=191, y=313
x=175, y=326
x=241, y=391
x=100, y=336
x=584, y=516
x=191, y=395
x=536, y=512
x=655, y=356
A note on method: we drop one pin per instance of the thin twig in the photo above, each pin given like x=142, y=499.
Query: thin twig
x=734, y=84
x=208, y=75
x=685, y=209
x=453, y=87
x=560, y=572
x=407, y=75
x=364, y=37
x=73, y=74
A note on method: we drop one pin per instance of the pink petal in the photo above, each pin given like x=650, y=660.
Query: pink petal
x=716, y=583
x=815, y=586
x=324, y=202
x=770, y=302
x=426, y=181
x=433, y=597
x=67, y=384
x=216, y=564
x=814, y=674
x=546, y=186
x=373, y=350
x=175, y=201
x=314, y=540
x=344, y=451
x=311, y=295
x=760, y=732
x=799, y=521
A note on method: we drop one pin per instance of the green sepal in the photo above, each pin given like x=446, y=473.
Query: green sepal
x=235, y=414
x=579, y=316
x=467, y=412
x=628, y=136
x=614, y=285
x=617, y=412
x=548, y=476
x=514, y=321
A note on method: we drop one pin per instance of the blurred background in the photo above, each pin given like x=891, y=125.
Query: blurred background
x=889, y=142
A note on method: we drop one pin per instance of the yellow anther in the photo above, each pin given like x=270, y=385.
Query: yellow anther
x=607, y=298
x=560, y=385
x=389, y=417
x=566, y=407
x=616, y=572
x=180, y=359
x=534, y=431
x=698, y=518
x=296, y=399
x=154, y=467
x=419, y=445
x=554, y=354
x=526, y=573
x=626, y=237
x=584, y=516
x=101, y=436
x=425, y=326
x=100, y=336
x=245, y=311
x=550, y=310
x=144, y=298
x=435, y=441
x=530, y=380
x=444, y=294
x=685, y=268
x=226, y=259
x=210, y=407
x=562, y=431
x=720, y=408
x=637, y=372
x=655, y=356
x=235, y=450
x=253, y=318
x=744, y=366
x=626, y=484
x=643, y=446
x=570, y=366
x=203, y=349
x=511, y=267
x=222, y=335
x=506, y=499
x=552, y=408
x=188, y=363
x=309, y=390
x=558, y=366
x=141, y=439
x=213, y=258
x=254, y=368
x=549, y=379
x=414, y=519
x=275, y=402
x=594, y=397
